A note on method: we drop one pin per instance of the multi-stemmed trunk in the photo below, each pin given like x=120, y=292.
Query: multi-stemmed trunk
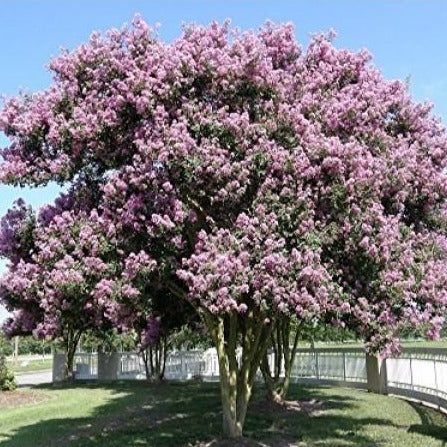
x=70, y=340
x=154, y=359
x=277, y=375
x=237, y=375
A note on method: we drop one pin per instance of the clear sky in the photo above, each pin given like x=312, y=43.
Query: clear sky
x=407, y=39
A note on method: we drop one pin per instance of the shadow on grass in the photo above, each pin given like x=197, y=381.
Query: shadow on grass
x=188, y=414
x=433, y=423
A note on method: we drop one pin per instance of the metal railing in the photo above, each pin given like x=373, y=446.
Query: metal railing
x=417, y=373
x=420, y=374
x=346, y=365
x=85, y=366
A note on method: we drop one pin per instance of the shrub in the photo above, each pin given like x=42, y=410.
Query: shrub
x=7, y=379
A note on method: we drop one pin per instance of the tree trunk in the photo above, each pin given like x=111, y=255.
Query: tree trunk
x=165, y=355
x=159, y=360
x=277, y=379
x=154, y=359
x=151, y=361
x=71, y=341
x=270, y=381
x=69, y=373
x=289, y=357
x=156, y=352
x=145, y=357
x=236, y=380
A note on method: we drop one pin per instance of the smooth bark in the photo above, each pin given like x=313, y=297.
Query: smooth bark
x=277, y=376
x=237, y=375
x=71, y=339
x=154, y=359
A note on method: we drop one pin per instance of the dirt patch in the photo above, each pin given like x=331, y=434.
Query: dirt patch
x=308, y=406
x=270, y=406
x=18, y=398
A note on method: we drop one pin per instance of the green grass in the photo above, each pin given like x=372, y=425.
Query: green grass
x=33, y=365
x=174, y=414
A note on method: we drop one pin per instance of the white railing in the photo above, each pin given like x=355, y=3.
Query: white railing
x=130, y=366
x=335, y=365
x=420, y=374
x=86, y=366
x=182, y=365
x=417, y=373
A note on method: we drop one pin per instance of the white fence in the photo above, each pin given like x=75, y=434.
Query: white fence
x=331, y=365
x=420, y=374
x=86, y=366
x=417, y=373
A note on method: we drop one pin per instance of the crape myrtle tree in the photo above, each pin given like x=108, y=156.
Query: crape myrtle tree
x=163, y=315
x=42, y=284
x=17, y=243
x=263, y=181
x=65, y=280
x=57, y=276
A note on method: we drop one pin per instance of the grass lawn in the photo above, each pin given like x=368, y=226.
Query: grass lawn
x=188, y=414
x=32, y=365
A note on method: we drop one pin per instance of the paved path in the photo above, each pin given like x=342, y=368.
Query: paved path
x=34, y=378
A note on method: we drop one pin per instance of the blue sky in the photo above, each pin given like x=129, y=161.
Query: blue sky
x=407, y=39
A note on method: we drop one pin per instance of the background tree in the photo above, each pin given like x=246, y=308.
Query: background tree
x=6, y=348
x=250, y=177
x=156, y=332
x=191, y=337
x=54, y=288
x=107, y=341
x=31, y=345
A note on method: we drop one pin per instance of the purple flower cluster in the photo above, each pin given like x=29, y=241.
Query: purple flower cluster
x=150, y=335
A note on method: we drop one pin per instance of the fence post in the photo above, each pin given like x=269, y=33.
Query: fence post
x=317, y=366
x=59, y=362
x=344, y=367
x=436, y=384
x=108, y=366
x=376, y=374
